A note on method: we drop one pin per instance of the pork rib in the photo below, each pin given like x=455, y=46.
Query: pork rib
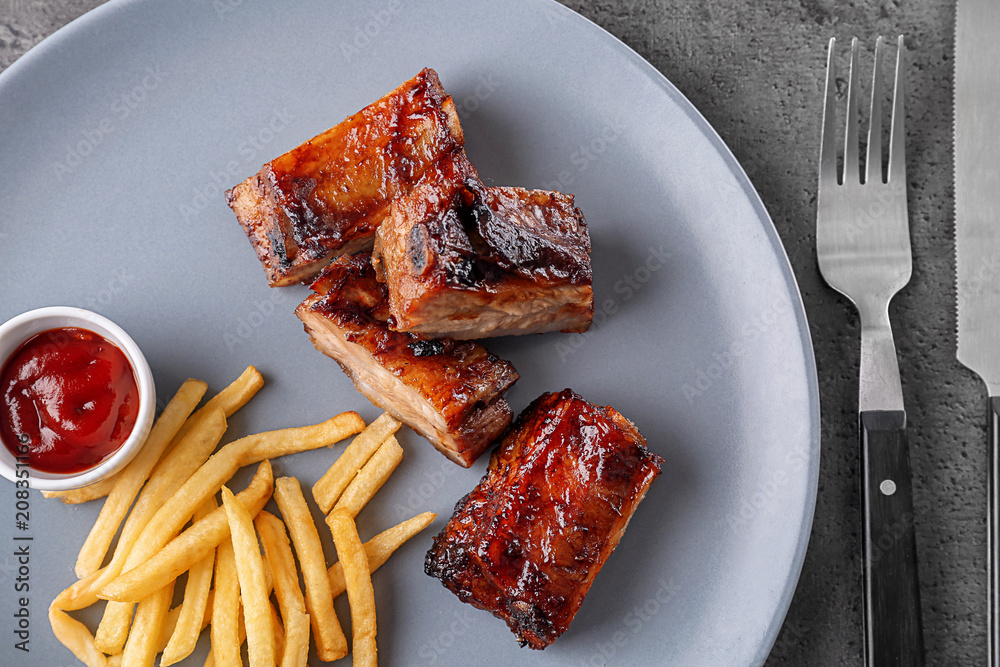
x=527, y=542
x=326, y=197
x=450, y=392
x=467, y=261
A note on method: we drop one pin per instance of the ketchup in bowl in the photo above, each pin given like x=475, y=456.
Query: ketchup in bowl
x=71, y=396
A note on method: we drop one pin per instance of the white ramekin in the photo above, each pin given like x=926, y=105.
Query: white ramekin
x=15, y=331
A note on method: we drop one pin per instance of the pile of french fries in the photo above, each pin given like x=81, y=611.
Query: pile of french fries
x=177, y=532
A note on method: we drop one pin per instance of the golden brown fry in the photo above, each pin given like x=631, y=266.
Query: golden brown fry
x=83, y=593
x=143, y=639
x=181, y=553
x=170, y=624
x=237, y=394
x=253, y=587
x=360, y=593
x=379, y=548
x=210, y=659
x=279, y=633
x=173, y=470
x=191, y=618
x=268, y=579
x=229, y=400
x=86, y=493
x=296, y=652
x=330, y=641
x=371, y=477
x=174, y=614
x=286, y=588
x=75, y=636
x=80, y=594
x=272, y=444
x=176, y=511
x=134, y=475
x=326, y=491
x=278, y=551
x=225, y=609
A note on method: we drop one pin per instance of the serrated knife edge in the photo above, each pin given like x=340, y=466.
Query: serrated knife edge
x=977, y=186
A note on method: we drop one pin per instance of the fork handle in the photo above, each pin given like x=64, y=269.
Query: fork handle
x=993, y=531
x=893, y=632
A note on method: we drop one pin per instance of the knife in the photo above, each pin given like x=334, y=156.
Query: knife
x=977, y=241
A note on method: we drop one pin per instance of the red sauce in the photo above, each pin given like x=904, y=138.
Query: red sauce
x=70, y=395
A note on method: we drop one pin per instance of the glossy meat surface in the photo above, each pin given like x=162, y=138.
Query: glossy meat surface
x=327, y=196
x=464, y=260
x=527, y=542
x=450, y=392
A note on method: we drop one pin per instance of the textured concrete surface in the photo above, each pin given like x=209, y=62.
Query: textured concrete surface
x=755, y=70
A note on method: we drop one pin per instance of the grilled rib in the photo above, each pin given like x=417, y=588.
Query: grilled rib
x=527, y=542
x=463, y=260
x=326, y=197
x=450, y=392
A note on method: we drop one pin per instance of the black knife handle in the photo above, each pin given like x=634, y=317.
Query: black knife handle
x=893, y=632
x=993, y=530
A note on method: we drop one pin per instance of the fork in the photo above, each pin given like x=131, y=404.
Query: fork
x=863, y=246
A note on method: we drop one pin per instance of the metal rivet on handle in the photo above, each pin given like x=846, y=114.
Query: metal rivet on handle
x=887, y=487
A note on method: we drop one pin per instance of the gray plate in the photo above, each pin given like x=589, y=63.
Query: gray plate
x=119, y=133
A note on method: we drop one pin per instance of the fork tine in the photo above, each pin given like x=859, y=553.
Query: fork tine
x=851, y=151
x=873, y=159
x=828, y=136
x=897, y=152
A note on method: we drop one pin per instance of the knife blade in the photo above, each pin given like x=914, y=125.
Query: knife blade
x=977, y=244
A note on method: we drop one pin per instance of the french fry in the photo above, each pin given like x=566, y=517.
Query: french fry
x=326, y=491
x=175, y=511
x=360, y=594
x=371, y=477
x=242, y=636
x=237, y=394
x=190, y=616
x=330, y=641
x=379, y=548
x=279, y=633
x=168, y=474
x=176, y=476
x=143, y=640
x=182, y=552
x=210, y=477
x=210, y=660
x=272, y=444
x=225, y=609
x=173, y=470
x=86, y=493
x=296, y=653
x=75, y=636
x=82, y=593
x=253, y=587
x=134, y=475
x=278, y=552
x=170, y=623
x=279, y=556
x=229, y=400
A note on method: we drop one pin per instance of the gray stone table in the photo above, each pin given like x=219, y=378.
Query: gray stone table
x=755, y=71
